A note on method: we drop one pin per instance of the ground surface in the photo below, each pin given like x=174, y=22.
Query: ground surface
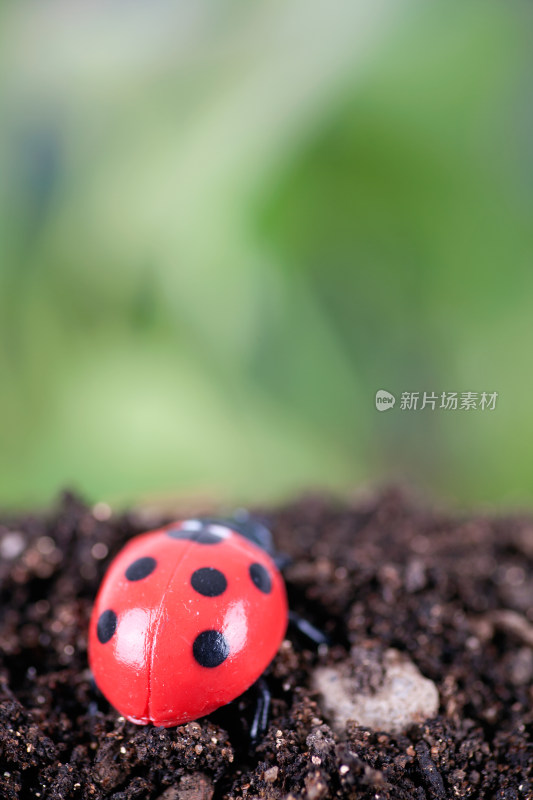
x=455, y=596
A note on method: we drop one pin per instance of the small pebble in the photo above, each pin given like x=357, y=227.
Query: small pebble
x=403, y=697
x=271, y=774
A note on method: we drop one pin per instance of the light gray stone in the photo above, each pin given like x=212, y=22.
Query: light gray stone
x=402, y=697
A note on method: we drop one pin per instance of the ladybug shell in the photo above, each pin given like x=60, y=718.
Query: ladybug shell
x=186, y=619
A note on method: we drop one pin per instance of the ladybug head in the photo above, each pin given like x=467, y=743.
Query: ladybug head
x=249, y=527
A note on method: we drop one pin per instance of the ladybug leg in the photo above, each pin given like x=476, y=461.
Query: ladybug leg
x=308, y=630
x=259, y=724
x=281, y=560
x=94, y=704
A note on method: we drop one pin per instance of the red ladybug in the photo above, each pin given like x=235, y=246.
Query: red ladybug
x=186, y=619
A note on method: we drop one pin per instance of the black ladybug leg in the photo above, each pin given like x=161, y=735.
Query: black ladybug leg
x=307, y=630
x=260, y=720
x=94, y=704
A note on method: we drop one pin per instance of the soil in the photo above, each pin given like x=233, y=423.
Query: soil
x=453, y=595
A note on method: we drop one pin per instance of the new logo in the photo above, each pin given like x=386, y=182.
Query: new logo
x=384, y=400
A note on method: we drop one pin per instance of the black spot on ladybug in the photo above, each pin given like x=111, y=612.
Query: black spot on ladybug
x=141, y=568
x=209, y=581
x=106, y=625
x=196, y=531
x=210, y=649
x=260, y=578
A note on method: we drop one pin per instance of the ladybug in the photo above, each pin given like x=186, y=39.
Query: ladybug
x=187, y=618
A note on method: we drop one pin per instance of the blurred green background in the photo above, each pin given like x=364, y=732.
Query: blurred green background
x=224, y=226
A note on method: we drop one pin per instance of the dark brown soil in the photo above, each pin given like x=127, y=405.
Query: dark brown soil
x=455, y=595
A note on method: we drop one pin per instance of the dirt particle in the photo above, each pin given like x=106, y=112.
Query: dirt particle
x=271, y=774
